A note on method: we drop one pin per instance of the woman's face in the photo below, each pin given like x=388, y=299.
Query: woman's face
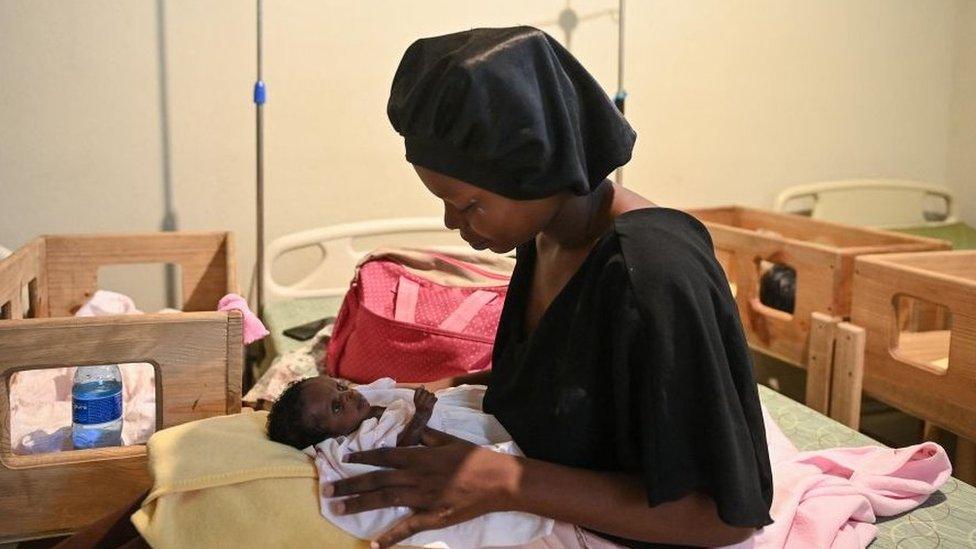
x=487, y=220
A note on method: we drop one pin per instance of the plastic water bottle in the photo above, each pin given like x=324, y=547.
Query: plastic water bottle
x=96, y=407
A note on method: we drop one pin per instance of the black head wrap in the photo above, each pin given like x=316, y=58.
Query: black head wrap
x=509, y=110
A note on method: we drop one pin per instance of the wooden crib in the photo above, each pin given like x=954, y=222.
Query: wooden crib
x=918, y=312
x=822, y=254
x=197, y=356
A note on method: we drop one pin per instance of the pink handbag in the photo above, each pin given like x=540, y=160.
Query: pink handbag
x=419, y=315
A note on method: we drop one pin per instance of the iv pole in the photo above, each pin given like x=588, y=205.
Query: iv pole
x=260, y=97
x=621, y=96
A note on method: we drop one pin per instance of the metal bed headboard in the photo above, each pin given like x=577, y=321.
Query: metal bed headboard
x=340, y=255
x=884, y=203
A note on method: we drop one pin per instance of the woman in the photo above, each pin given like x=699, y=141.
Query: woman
x=620, y=367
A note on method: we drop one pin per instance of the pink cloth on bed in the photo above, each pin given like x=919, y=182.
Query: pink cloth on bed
x=253, y=327
x=830, y=498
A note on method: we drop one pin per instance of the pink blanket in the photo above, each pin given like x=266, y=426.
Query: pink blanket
x=253, y=327
x=830, y=498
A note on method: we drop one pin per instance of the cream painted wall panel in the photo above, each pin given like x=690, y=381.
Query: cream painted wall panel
x=79, y=123
x=737, y=100
x=962, y=117
x=330, y=86
x=731, y=101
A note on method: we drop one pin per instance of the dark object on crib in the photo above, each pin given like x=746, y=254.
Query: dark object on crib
x=777, y=288
x=308, y=330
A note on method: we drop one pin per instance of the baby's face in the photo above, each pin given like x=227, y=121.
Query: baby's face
x=330, y=403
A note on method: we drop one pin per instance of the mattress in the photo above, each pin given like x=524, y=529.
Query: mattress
x=962, y=236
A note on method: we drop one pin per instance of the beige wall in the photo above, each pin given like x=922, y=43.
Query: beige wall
x=961, y=164
x=731, y=101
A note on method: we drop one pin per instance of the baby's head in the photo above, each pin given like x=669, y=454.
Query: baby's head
x=777, y=288
x=314, y=409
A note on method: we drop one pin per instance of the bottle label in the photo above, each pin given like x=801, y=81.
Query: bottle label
x=97, y=410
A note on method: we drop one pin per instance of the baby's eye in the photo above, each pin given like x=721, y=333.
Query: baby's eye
x=336, y=406
x=343, y=387
x=467, y=208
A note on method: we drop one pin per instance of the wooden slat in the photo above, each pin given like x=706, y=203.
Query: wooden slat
x=965, y=462
x=235, y=360
x=25, y=268
x=958, y=264
x=831, y=234
x=205, y=258
x=848, y=373
x=199, y=367
x=820, y=361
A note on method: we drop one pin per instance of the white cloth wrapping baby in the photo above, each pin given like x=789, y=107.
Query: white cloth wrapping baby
x=457, y=412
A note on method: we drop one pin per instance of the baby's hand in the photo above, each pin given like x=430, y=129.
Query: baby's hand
x=424, y=401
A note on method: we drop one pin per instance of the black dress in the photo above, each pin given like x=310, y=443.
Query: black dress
x=639, y=364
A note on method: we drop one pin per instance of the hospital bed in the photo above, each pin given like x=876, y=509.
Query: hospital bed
x=946, y=519
x=197, y=356
x=910, y=207
x=166, y=341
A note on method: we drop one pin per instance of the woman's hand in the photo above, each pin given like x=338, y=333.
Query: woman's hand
x=449, y=481
x=432, y=386
x=477, y=378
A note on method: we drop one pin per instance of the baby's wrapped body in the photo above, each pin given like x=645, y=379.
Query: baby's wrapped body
x=457, y=412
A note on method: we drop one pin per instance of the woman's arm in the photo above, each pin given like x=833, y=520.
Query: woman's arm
x=477, y=378
x=616, y=503
x=453, y=481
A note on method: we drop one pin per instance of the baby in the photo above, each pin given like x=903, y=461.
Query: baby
x=327, y=420
x=319, y=408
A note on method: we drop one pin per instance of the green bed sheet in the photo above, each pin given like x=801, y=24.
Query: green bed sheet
x=281, y=315
x=948, y=519
x=962, y=236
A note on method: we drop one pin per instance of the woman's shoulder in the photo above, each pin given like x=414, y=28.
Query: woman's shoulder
x=655, y=222
x=663, y=241
x=662, y=258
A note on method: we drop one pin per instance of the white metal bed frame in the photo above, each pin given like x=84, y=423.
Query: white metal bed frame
x=903, y=200
x=339, y=253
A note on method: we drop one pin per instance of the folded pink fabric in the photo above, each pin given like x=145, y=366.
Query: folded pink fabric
x=830, y=498
x=253, y=327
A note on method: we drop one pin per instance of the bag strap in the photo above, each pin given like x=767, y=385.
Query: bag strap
x=470, y=267
x=405, y=309
x=467, y=310
x=408, y=293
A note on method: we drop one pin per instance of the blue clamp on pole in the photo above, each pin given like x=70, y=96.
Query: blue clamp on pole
x=260, y=93
x=619, y=100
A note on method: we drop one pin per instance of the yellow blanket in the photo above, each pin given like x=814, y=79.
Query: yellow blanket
x=220, y=482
